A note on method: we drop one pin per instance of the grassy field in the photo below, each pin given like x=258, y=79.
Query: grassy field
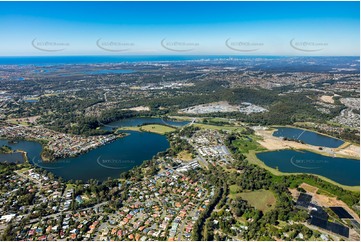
x=21, y=122
x=185, y=156
x=153, y=128
x=248, y=143
x=263, y=200
x=70, y=186
x=157, y=128
x=132, y=128
x=24, y=169
x=234, y=189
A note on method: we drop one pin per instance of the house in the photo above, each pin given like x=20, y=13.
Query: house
x=120, y=233
x=48, y=229
x=7, y=218
x=42, y=238
x=79, y=199
x=137, y=237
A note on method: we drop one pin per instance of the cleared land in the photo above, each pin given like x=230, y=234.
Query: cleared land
x=185, y=156
x=139, y=108
x=223, y=107
x=327, y=99
x=211, y=108
x=263, y=200
x=309, y=188
x=23, y=121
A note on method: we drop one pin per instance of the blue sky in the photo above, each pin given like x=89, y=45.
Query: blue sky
x=167, y=28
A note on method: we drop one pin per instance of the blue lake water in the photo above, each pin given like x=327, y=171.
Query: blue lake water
x=15, y=157
x=308, y=137
x=33, y=149
x=31, y=100
x=109, y=160
x=341, y=170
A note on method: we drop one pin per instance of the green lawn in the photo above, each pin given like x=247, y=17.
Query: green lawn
x=234, y=189
x=245, y=143
x=22, y=170
x=13, y=121
x=157, y=128
x=70, y=186
x=185, y=155
x=263, y=200
x=153, y=128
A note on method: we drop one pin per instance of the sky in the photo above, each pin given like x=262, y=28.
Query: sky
x=180, y=28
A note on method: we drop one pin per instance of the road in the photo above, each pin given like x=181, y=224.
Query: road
x=30, y=178
x=203, y=161
x=105, y=97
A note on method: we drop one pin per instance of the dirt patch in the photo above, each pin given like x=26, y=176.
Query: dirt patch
x=327, y=99
x=294, y=193
x=351, y=150
x=309, y=188
x=139, y=108
x=271, y=142
x=185, y=156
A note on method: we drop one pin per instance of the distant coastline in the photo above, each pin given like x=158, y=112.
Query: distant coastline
x=91, y=59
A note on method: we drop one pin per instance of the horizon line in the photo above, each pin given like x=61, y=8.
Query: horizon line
x=164, y=55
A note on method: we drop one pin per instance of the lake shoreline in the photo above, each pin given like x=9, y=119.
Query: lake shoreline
x=108, y=160
x=252, y=158
x=289, y=161
x=54, y=159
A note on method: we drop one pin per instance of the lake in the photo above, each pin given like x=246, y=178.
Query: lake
x=308, y=137
x=140, y=121
x=31, y=100
x=341, y=170
x=15, y=157
x=109, y=160
x=33, y=149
